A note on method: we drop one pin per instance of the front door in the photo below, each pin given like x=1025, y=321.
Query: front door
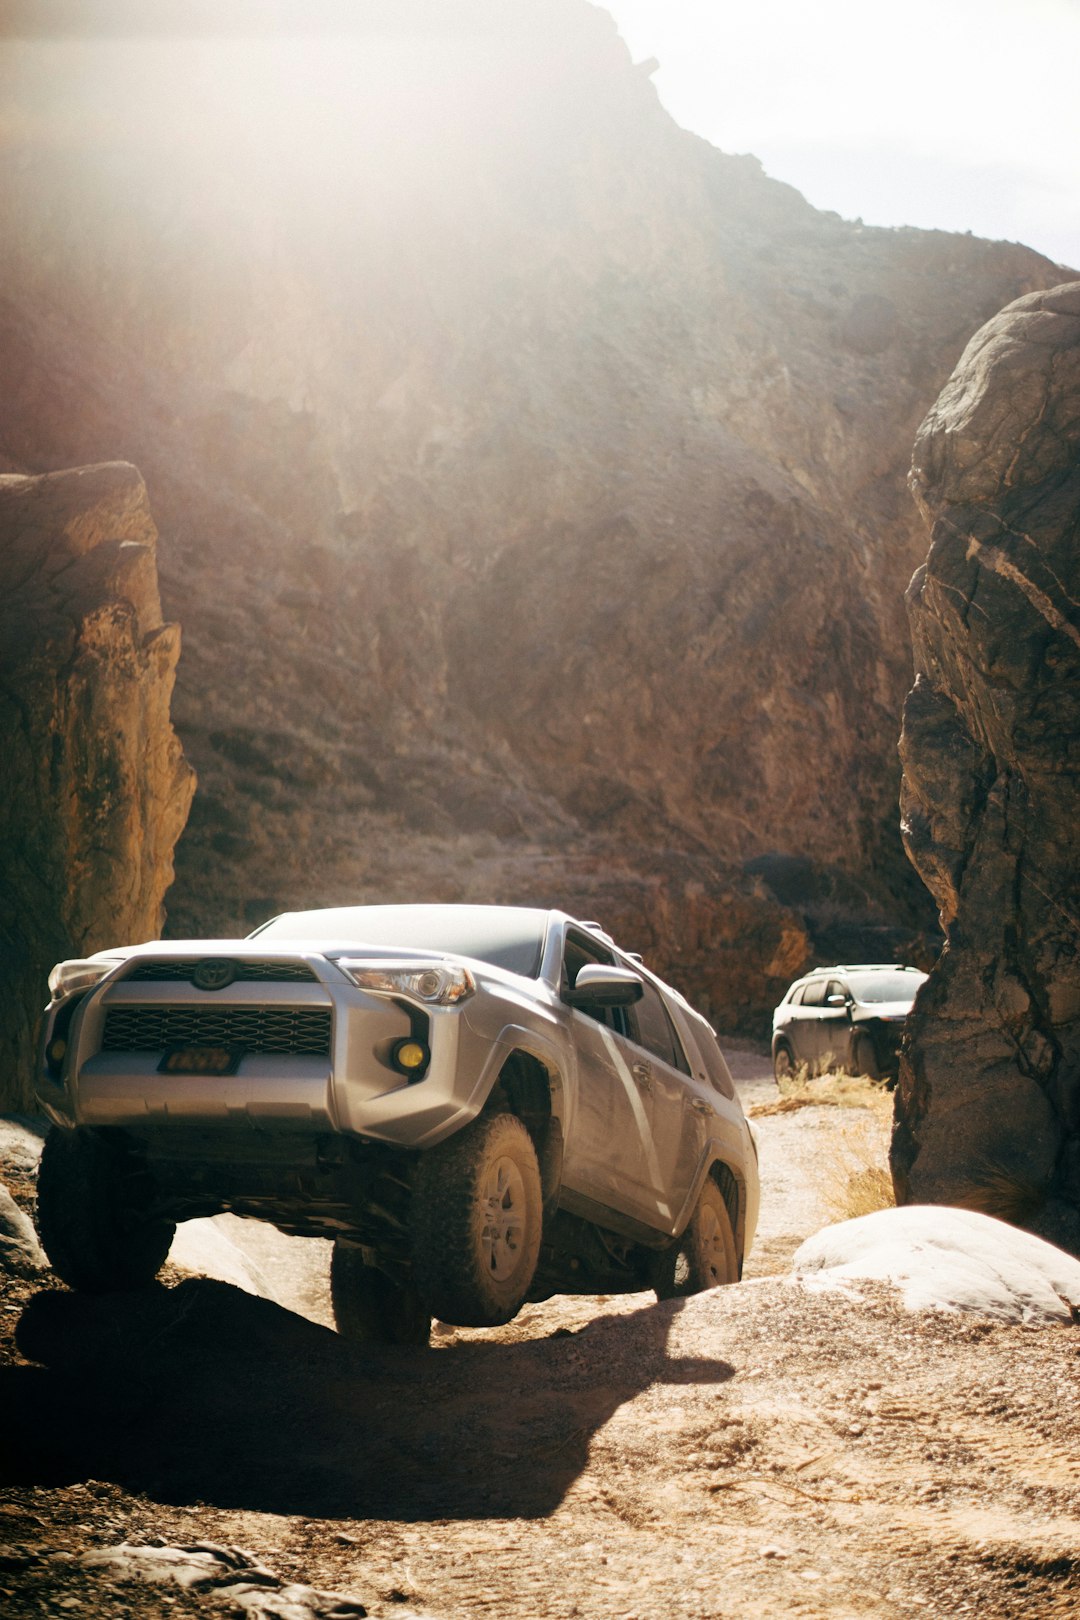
x=827, y=1029
x=609, y=1150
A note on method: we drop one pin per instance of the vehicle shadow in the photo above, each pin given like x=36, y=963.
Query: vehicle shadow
x=203, y=1393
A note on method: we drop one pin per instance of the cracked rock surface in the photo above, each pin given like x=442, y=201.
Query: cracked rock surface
x=94, y=789
x=988, y=1106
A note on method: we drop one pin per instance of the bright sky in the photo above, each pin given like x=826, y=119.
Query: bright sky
x=955, y=114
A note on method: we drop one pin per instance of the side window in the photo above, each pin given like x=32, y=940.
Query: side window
x=835, y=988
x=651, y=1027
x=814, y=994
x=576, y=953
x=715, y=1066
x=796, y=1000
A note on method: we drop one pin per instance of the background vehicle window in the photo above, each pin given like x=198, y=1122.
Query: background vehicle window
x=796, y=1000
x=651, y=1027
x=835, y=988
x=814, y=994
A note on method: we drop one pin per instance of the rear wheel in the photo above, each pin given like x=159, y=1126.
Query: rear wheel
x=91, y=1199
x=477, y=1214
x=706, y=1256
x=371, y=1307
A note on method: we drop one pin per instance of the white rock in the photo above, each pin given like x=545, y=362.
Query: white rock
x=203, y=1247
x=948, y=1260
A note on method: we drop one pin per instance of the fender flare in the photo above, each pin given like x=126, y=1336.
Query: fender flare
x=514, y=1038
x=709, y=1160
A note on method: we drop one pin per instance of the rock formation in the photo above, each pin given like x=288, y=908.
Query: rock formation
x=95, y=789
x=988, y=1108
x=530, y=474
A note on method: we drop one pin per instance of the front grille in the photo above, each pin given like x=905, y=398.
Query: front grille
x=299, y=1031
x=246, y=972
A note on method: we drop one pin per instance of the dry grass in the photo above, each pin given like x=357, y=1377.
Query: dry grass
x=1001, y=1190
x=856, y=1180
x=833, y=1089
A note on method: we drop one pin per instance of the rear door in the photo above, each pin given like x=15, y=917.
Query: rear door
x=679, y=1114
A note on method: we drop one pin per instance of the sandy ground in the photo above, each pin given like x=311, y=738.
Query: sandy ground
x=759, y=1451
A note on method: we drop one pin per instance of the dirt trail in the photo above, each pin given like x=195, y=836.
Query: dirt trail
x=756, y=1452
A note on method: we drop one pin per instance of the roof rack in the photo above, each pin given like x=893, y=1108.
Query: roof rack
x=864, y=967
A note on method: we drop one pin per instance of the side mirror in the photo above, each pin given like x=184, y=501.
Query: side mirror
x=836, y=1001
x=598, y=985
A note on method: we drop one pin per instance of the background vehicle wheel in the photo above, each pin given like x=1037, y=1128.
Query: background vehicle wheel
x=706, y=1257
x=864, y=1057
x=477, y=1214
x=91, y=1190
x=369, y=1306
x=783, y=1064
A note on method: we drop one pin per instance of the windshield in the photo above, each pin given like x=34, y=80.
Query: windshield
x=509, y=937
x=885, y=986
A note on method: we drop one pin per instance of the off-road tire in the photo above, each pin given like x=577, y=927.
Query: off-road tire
x=783, y=1063
x=705, y=1257
x=370, y=1307
x=90, y=1193
x=864, y=1057
x=476, y=1219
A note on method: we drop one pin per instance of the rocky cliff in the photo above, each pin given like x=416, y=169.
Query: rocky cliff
x=530, y=474
x=988, y=1108
x=94, y=790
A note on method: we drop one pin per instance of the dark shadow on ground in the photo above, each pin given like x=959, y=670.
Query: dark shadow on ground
x=202, y=1393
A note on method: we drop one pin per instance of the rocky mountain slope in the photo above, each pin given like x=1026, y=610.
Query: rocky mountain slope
x=989, y=1098
x=530, y=475
x=94, y=790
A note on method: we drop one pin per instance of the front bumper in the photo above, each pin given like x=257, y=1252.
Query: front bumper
x=117, y=1035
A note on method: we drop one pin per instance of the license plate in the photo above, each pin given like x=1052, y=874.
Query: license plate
x=199, y=1060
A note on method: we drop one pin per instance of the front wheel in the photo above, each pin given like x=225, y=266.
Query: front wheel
x=477, y=1214
x=864, y=1057
x=371, y=1307
x=706, y=1256
x=783, y=1064
x=91, y=1199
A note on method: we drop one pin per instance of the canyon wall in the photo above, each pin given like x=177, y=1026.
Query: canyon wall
x=94, y=790
x=530, y=474
x=988, y=1106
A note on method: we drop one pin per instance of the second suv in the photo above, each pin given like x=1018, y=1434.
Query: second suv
x=845, y=1017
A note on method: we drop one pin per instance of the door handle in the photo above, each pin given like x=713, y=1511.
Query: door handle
x=642, y=1075
x=699, y=1106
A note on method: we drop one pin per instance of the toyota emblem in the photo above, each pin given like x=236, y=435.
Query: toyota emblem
x=213, y=974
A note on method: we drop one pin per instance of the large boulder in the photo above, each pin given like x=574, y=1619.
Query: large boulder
x=988, y=1107
x=94, y=789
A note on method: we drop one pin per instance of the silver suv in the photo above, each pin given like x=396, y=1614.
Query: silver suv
x=845, y=1017
x=481, y=1105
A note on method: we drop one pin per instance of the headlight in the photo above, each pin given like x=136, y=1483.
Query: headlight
x=421, y=981
x=67, y=977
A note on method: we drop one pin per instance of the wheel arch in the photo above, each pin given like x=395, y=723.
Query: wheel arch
x=530, y=1087
x=732, y=1187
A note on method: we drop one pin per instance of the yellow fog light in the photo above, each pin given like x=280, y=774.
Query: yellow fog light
x=56, y=1051
x=411, y=1056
